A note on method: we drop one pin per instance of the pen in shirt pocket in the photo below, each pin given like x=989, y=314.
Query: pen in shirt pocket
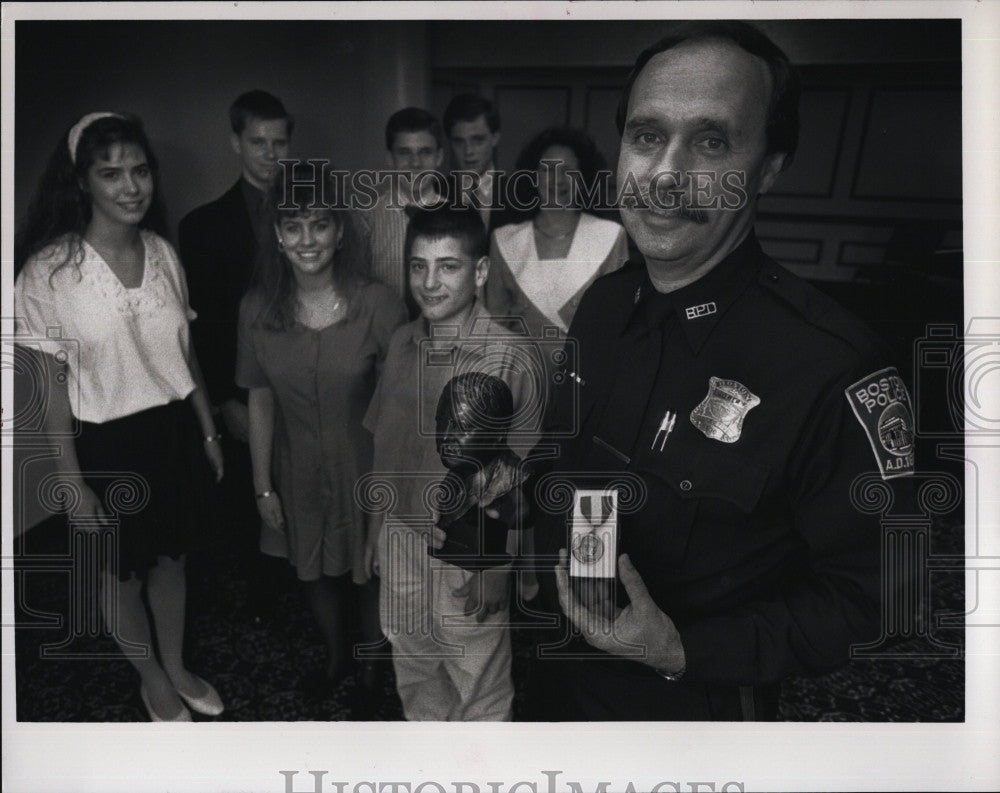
x=665, y=428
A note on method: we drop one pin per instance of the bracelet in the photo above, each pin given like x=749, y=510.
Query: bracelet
x=213, y=438
x=266, y=494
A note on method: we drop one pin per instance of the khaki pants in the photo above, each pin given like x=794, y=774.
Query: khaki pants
x=448, y=666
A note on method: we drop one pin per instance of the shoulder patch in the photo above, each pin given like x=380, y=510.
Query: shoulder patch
x=821, y=311
x=882, y=405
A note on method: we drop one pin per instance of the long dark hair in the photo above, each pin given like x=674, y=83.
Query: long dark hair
x=301, y=191
x=591, y=161
x=61, y=209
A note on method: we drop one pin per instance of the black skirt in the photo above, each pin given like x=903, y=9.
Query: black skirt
x=142, y=468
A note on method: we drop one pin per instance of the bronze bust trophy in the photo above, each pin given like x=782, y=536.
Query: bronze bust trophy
x=477, y=497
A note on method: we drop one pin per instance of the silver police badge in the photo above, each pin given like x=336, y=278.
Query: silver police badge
x=720, y=414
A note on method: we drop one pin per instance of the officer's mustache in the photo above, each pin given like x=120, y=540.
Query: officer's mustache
x=672, y=203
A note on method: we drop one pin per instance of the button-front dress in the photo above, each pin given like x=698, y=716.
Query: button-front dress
x=322, y=382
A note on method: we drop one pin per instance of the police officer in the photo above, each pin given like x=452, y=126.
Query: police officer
x=742, y=404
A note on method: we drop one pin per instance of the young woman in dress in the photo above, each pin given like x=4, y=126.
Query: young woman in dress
x=540, y=267
x=97, y=277
x=312, y=336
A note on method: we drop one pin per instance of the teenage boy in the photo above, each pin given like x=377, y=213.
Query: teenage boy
x=218, y=245
x=414, y=141
x=447, y=625
x=472, y=125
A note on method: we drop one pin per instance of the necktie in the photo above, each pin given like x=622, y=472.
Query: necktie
x=640, y=348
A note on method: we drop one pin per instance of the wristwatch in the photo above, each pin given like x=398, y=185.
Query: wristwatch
x=673, y=677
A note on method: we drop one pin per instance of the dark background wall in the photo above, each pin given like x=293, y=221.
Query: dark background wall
x=880, y=159
x=876, y=180
x=871, y=208
x=339, y=80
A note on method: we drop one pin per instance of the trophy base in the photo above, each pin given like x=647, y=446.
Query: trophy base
x=475, y=541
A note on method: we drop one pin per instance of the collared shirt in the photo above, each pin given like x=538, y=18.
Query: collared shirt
x=126, y=349
x=485, y=186
x=401, y=414
x=546, y=292
x=386, y=225
x=484, y=191
x=418, y=365
x=726, y=398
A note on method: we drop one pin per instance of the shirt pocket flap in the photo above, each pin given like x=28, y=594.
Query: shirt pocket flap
x=710, y=472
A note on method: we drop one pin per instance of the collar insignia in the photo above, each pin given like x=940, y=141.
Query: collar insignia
x=703, y=310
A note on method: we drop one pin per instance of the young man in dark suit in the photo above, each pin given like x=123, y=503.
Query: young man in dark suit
x=218, y=244
x=472, y=126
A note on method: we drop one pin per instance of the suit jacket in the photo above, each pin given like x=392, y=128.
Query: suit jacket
x=500, y=213
x=218, y=245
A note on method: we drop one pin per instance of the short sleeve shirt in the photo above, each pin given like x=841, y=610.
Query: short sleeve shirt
x=401, y=414
x=126, y=349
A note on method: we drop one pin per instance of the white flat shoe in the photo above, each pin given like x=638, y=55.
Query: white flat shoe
x=210, y=704
x=184, y=715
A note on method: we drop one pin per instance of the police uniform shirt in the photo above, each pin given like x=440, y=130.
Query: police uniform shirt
x=727, y=397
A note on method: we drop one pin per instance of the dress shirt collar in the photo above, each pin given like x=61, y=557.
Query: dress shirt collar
x=404, y=197
x=699, y=305
x=485, y=186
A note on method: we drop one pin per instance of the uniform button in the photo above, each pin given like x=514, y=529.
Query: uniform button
x=773, y=276
x=686, y=485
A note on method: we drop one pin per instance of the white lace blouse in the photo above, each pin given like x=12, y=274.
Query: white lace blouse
x=125, y=349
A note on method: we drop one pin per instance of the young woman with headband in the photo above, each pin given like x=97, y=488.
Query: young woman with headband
x=94, y=266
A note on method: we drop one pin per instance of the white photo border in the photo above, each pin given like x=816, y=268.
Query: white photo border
x=367, y=756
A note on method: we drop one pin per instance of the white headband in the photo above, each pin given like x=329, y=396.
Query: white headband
x=73, y=140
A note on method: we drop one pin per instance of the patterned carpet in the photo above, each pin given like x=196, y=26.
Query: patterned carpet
x=258, y=670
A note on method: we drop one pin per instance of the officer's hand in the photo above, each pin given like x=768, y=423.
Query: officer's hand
x=486, y=592
x=639, y=631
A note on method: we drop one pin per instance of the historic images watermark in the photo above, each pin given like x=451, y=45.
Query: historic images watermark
x=687, y=193
x=949, y=372
x=318, y=782
x=41, y=364
x=950, y=406
x=955, y=405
